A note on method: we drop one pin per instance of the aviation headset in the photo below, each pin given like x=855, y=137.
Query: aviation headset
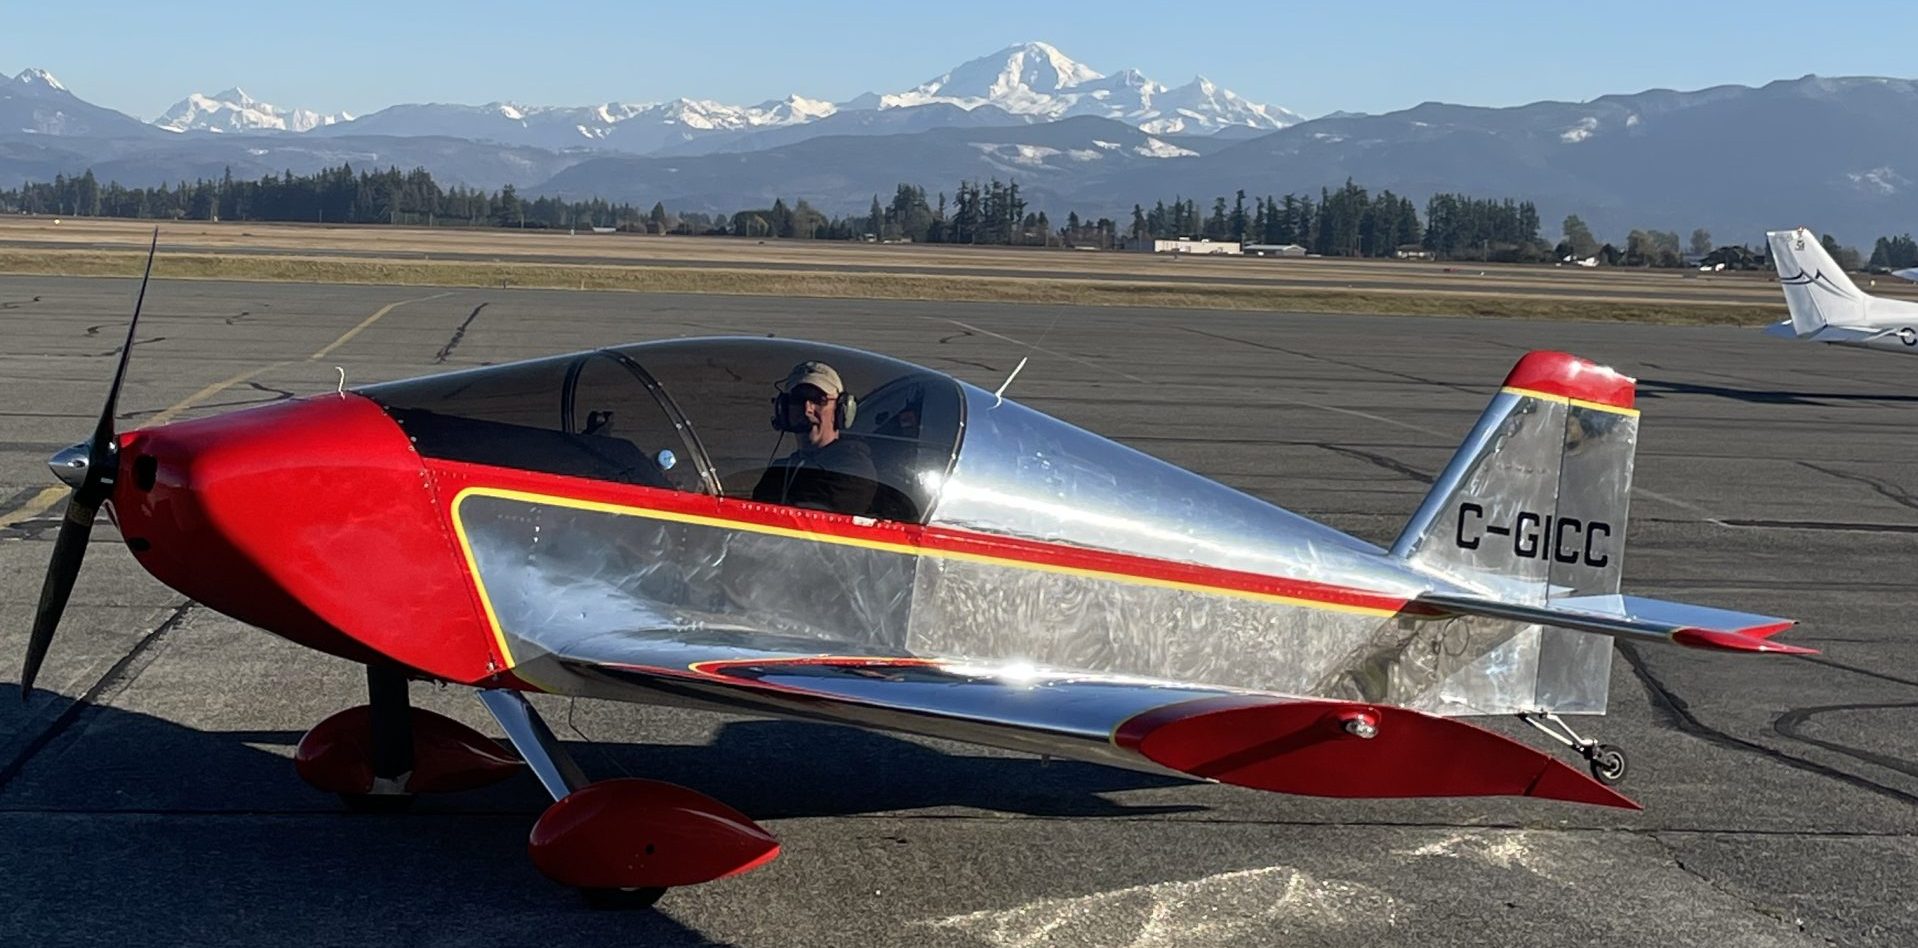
x=845, y=408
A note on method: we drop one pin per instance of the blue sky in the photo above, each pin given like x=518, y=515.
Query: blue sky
x=140, y=57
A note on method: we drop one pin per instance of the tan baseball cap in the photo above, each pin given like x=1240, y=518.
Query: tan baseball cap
x=816, y=374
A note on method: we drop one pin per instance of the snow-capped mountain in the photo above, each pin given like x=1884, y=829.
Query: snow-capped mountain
x=1021, y=79
x=1036, y=79
x=1029, y=82
x=235, y=111
x=622, y=126
x=33, y=78
x=35, y=103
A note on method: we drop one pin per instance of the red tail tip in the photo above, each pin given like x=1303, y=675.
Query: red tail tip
x=1741, y=641
x=1568, y=376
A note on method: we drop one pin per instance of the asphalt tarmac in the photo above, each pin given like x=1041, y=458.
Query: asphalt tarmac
x=1780, y=794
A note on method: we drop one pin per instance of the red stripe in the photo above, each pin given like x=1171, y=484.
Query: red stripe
x=455, y=475
x=1559, y=373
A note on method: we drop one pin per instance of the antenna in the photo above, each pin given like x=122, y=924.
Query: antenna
x=999, y=397
x=341, y=388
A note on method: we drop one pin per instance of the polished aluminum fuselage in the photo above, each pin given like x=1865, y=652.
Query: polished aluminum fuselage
x=565, y=577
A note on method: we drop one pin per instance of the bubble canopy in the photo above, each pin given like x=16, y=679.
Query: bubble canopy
x=690, y=414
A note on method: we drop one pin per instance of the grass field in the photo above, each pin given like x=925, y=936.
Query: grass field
x=418, y=256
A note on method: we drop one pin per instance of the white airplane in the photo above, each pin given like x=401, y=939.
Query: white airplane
x=1827, y=307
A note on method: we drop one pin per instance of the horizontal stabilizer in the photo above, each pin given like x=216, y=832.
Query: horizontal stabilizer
x=1635, y=618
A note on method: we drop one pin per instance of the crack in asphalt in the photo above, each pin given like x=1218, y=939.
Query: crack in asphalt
x=976, y=365
x=1774, y=913
x=16, y=304
x=1381, y=460
x=116, y=349
x=1677, y=714
x=1892, y=492
x=116, y=679
x=440, y=357
x=279, y=394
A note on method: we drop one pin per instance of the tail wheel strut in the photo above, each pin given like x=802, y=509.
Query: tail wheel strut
x=1608, y=762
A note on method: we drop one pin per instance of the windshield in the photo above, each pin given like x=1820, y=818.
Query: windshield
x=590, y=414
x=773, y=420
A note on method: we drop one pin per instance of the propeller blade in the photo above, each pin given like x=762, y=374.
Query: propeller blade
x=100, y=456
x=96, y=485
x=68, y=551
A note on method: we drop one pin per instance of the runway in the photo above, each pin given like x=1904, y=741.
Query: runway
x=1168, y=269
x=1781, y=795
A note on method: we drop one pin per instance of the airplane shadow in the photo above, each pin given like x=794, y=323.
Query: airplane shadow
x=203, y=836
x=1654, y=388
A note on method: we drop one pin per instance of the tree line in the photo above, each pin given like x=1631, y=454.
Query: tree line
x=1349, y=221
x=332, y=195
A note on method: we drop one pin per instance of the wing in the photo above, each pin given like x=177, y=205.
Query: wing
x=1264, y=741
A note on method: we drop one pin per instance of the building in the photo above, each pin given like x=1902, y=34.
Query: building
x=1188, y=245
x=1275, y=250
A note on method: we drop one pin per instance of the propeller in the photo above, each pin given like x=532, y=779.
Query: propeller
x=91, y=475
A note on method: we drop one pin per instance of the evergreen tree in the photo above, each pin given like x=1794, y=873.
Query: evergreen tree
x=1846, y=257
x=1583, y=244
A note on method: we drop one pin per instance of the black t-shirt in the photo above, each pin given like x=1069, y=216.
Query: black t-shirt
x=838, y=477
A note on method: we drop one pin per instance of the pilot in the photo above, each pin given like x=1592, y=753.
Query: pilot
x=827, y=471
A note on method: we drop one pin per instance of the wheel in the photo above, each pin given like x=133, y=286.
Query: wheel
x=621, y=899
x=377, y=802
x=1609, y=766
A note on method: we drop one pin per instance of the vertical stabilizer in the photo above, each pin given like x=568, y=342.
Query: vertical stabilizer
x=1533, y=505
x=1531, y=510
x=1816, y=287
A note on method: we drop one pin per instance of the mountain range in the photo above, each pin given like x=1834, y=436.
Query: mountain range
x=1835, y=153
x=1032, y=81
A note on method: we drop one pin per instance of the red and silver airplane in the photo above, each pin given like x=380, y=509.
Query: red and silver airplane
x=897, y=550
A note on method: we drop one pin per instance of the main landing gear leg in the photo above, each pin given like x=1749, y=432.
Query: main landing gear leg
x=529, y=735
x=622, y=843
x=377, y=755
x=1607, y=762
x=389, y=714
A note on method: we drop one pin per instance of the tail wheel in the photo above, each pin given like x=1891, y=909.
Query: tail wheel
x=1609, y=765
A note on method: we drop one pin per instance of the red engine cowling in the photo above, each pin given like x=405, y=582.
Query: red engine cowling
x=632, y=833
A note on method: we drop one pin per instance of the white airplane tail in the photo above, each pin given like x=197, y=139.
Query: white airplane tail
x=1821, y=297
